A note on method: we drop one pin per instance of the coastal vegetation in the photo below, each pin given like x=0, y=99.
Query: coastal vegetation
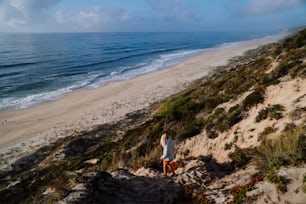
x=184, y=115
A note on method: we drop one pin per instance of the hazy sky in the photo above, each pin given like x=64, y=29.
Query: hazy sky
x=149, y=15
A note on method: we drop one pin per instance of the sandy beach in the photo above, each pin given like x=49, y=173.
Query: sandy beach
x=23, y=131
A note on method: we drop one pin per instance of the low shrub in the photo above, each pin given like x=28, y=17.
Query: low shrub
x=211, y=134
x=296, y=41
x=253, y=99
x=268, y=130
x=234, y=108
x=221, y=120
x=228, y=146
x=288, y=148
x=272, y=112
x=297, y=113
x=290, y=127
x=301, y=145
x=172, y=109
x=304, y=180
x=150, y=160
x=234, y=117
x=194, y=195
x=270, y=79
x=190, y=129
x=283, y=69
x=280, y=181
x=239, y=192
x=298, y=70
x=240, y=158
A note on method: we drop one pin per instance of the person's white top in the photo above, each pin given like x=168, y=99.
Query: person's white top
x=169, y=150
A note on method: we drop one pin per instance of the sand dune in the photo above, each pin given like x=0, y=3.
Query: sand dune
x=23, y=131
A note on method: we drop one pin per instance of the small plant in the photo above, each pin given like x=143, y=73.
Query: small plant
x=240, y=158
x=228, y=146
x=297, y=113
x=200, y=198
x=304, y=180
x=239, y=192
x=186, y=152
x=283, y=68
x=267, y=131
x=63, y=183
x=270, y=79
x=196, y=196
x=211, y=134
x=172, y=109
x=189, y=128
x=272, y=112
x=188, y=190
x=253, y=99
x=234, y=108
x=221, y=120
x=288, y=148
x=290, y=127
x=280, y=181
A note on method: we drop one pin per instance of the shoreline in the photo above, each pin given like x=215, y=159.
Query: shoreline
x=25, y=130
x=26, y=102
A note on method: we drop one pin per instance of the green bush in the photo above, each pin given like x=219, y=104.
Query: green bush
x=302, y=145
x=253, y=99
x=296, y=41
x=299, y=70
x=190, y=129
x=270, y=79
x=228, y=146
x=221, y=120
x=240, y=158
x=289, y=127
x=300, y=39
x=272, y=111
x=239, y=191
x=304, y=180
x=268, y=130
x=174, y=108
x=280, y=181
x=211, y=134
x=283, y=69
x=234, y=116
x=234, y=108
x=212, y=102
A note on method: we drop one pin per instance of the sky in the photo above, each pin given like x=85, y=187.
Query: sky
x=150, y=15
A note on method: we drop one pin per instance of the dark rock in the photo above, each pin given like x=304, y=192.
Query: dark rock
x=125, y=187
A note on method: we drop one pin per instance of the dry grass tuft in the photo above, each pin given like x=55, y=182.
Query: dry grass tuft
x=288, y=148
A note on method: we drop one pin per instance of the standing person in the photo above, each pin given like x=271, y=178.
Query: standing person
x=168, y=153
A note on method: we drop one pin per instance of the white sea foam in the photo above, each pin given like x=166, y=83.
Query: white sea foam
x=78, y=78
x=265, y=38
x=96, y=79
x=28, y=101
x=163, y=61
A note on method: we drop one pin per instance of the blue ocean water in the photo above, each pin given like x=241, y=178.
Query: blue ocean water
x=40, y=67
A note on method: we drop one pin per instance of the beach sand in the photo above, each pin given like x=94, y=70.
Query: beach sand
x=23, y=131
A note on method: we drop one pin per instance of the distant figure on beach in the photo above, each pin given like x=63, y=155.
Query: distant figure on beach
x=168, y=153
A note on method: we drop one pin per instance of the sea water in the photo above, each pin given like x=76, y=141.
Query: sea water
x=41, y=67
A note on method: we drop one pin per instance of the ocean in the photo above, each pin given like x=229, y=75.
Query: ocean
x=41, y=67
